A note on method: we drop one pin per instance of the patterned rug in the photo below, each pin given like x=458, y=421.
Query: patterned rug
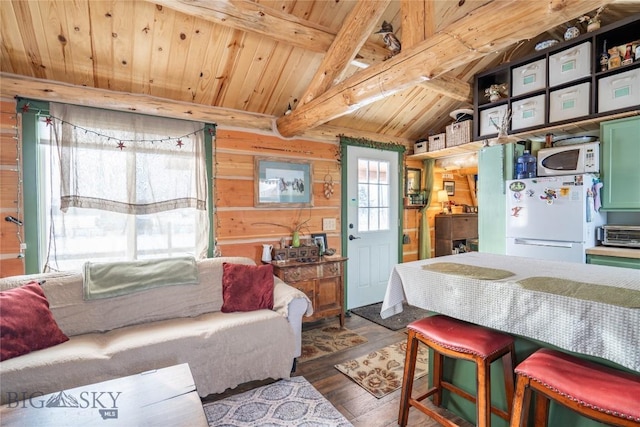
x=380, y=372
x=322, y=341
x=292, y=402
x=395, y=322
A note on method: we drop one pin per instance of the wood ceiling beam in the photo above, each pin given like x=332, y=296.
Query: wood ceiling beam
x=15, y=85
x=413, y=22
x=355, y=31
x=252, y=17
x=450, y=87
x=417, y=25
x=475, y=35
x=283, y=27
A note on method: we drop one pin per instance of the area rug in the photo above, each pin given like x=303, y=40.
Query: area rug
x=380, y=372
x=395, y=322
x=322, y=341
x=292, y=402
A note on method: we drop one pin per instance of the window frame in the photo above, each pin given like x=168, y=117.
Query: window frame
x=32, y=193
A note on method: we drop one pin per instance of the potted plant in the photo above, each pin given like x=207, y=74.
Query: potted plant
x=297, y=226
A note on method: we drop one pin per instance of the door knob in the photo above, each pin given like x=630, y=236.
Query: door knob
x=352, y=237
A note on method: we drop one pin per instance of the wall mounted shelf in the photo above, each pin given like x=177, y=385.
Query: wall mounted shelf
x=545, y=82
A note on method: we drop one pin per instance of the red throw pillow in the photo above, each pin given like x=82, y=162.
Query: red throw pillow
x=26, y=323
x=246, y=287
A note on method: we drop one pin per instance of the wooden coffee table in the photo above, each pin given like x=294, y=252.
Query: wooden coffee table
x=159, y=397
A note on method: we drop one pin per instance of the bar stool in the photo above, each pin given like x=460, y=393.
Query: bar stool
x=595, y=391
x=460, y=340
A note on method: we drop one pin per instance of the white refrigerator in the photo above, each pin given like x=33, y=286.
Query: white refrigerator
x=553, y=218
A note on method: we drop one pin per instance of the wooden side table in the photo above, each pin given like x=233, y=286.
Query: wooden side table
x=454, y=228
x=322, y=281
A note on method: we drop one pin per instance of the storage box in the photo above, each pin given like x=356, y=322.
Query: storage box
x=489, y=117
x=306, y=253
x=569, y=103
x=529, y=77
x=458, y=133
x=420, y=147
x=436, y=142
x=619, y=91
x=528, y=112
x=570, y=64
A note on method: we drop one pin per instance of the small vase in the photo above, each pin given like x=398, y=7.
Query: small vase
x=295, y=239
x=593, y=25
x=494, y=97
x=571, y=33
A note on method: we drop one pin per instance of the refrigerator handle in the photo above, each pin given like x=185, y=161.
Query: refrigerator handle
x=551, y=243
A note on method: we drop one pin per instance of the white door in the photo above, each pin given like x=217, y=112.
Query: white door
x=372, y=224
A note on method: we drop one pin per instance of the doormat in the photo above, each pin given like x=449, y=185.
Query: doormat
x=319, y=342
x=380, y=372
x=292, y=402
x=397, y=321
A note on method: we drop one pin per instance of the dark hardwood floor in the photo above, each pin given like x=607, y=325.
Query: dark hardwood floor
x=357, y=405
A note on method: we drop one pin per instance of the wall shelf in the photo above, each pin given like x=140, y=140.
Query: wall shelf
x=558, y=86
x=590, y=124
x=544, y=87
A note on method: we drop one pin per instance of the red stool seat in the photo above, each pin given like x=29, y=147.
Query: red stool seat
x=453, y=338
x=461, y=336
x=596, y=391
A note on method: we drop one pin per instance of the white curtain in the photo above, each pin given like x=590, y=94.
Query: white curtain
x=150, y=174
x=135, y=169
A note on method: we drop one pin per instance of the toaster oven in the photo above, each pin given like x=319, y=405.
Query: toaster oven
x=620, y=235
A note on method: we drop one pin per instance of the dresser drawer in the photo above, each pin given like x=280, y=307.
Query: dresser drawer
x=297, y=274
x=331, y=269
x=464, y=228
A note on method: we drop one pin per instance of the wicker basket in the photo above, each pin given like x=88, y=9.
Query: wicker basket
x=459, y=133
x=436, y=142
x=420, y=147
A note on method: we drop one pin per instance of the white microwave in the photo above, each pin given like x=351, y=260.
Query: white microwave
x=569, y=160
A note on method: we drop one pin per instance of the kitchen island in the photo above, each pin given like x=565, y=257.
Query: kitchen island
x=589, y=310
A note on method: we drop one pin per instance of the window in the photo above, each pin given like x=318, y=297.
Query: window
x=373, y=195
x=113, y=186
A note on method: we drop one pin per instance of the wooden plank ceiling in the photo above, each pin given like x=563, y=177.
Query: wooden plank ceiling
x=321, y=57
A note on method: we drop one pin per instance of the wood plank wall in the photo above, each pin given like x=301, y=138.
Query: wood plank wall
x=10, y=264
x=236, y=217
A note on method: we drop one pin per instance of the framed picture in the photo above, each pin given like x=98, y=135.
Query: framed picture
x=450, y=187
x=320, y=239
x=282, y=183
x=413, y=181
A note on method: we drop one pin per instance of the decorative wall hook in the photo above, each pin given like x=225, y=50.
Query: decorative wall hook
x=13, y=219
x=328, y=186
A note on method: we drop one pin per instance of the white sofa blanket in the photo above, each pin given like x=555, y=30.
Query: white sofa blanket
x=155, y=328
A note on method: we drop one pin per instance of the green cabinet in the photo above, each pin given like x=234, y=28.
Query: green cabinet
x=620, y=157
x=495, y=165
x=614, y=261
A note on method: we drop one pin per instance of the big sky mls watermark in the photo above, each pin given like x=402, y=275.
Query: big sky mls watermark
x=105, y=402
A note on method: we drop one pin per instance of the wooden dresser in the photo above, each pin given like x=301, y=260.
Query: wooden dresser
x=453, y=229
x=322, y=281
